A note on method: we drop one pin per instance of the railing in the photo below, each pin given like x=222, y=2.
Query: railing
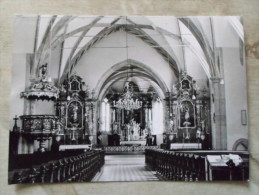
x=117, y=149
x=79, y=168
x=189, y=166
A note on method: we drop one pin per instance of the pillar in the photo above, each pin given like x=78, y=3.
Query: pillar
x=218, y=115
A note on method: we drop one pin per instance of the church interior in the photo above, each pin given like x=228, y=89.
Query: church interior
x=128, y=98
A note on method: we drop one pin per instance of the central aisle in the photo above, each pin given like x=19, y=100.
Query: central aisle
x=125, y=168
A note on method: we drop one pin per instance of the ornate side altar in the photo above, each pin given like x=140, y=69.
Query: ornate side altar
x=189, y=114
x=75, y=111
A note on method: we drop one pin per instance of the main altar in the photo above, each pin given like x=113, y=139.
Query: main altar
x=131, y=117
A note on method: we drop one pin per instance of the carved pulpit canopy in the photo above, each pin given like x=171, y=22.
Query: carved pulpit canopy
x=41, y=88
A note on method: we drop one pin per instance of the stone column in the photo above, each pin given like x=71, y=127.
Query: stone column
x=94, y=129
x=150, y=121
x=167, y=115
x=122, y=116
x=218, y=115
x=146, y=116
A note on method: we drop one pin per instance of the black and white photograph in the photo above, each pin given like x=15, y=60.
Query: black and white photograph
x=128, y=98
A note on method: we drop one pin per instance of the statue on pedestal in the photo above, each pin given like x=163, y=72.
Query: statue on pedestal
x=135, y=129
x=187, y=123
x=74, y=115
x=59, y=127
x=44, y=69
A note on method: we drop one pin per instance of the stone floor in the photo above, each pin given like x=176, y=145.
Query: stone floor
x=125, y=168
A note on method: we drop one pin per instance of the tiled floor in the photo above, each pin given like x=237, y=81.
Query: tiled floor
x=125, y=168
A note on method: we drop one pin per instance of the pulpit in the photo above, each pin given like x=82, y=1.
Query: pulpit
x=38, y=127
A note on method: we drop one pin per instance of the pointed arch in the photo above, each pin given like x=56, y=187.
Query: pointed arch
x=117, y=71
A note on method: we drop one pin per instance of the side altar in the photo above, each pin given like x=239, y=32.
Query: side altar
x=189, y=125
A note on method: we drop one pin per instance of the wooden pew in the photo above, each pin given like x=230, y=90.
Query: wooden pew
x=79, y=168
x=193, y=165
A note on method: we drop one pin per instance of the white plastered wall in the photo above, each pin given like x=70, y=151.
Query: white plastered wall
x=235, y=81
x=236, y=95
x=101, y=58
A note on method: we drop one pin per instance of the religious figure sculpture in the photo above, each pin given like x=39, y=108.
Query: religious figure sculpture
x=136, y=131
x=128, y=127
x=133, y=130
x=171, y=124
x=198, y=133
x=187, y=115
x=203, y=124
x=187, y=123
x=75, y=114
x=44, y=69
x=145, y=132
x=59, y=127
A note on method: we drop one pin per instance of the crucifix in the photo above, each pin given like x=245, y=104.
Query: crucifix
x=15, y=127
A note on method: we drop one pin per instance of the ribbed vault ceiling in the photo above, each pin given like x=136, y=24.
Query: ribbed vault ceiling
x=76, y=35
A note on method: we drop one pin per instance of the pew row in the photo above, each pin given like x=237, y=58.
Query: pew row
x=195, y=166
x=78, y=168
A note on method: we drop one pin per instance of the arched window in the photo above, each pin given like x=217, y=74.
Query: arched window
x=158, y=117
x=105, y=115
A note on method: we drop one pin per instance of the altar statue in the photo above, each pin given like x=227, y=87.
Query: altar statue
x=187, y=123
x=171, y=123
x=128, y=133
x=187, y=115
x=145, y=132
x=59, y=127
x=75, y=114
x=136, y=130
x=198, y=133
x=202, y=125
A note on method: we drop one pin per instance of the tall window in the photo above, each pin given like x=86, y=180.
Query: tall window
x=105, y=115
x=158, y=117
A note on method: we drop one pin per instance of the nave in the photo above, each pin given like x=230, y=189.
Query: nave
x=125, y=168
x=169, y=87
